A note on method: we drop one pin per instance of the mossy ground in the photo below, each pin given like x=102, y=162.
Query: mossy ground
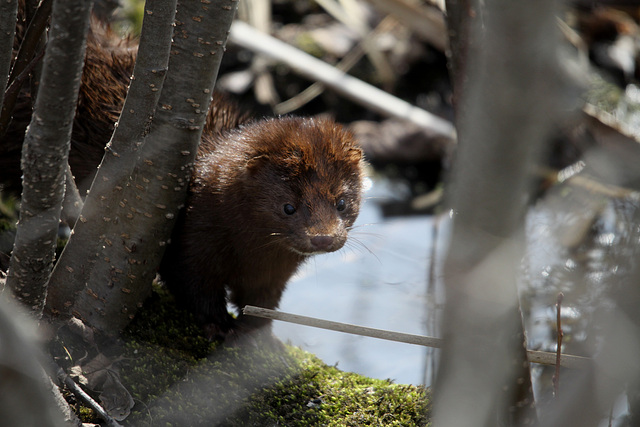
x=178, y=378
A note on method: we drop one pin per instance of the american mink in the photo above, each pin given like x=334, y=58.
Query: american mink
x=264, y=196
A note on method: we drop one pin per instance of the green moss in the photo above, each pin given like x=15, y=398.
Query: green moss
x=180, y=379
x=130, y=18
x=161, y=323
x=317, y=394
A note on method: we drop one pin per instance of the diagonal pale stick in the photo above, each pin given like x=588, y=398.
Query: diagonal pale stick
x=542, y=357
x=350, y=87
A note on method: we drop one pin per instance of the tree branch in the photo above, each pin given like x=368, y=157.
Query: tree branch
x=26, y=54
x=9, y=12
x=135, y=237
x=542, y=357
x=77, y=261
x=505, y=106
x=350, y=87
x=72, y=203
x=45, y=153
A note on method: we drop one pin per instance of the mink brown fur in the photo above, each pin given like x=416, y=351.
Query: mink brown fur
x=106, y=74
x=265, y=195
x=108, y=67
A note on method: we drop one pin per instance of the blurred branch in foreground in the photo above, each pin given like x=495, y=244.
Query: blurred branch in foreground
x=504, y=104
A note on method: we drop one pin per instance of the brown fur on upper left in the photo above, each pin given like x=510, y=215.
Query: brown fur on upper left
x=106, y=75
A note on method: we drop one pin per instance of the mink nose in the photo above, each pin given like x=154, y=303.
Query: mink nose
x=322, y=242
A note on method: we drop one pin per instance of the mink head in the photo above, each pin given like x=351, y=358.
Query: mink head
x=305, y=180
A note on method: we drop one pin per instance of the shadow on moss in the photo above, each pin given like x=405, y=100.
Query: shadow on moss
x=178, y=378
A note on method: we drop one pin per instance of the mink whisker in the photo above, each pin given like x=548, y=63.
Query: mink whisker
x=353, y=230
x=354, y=243
x=362, y=233
x=369, y=224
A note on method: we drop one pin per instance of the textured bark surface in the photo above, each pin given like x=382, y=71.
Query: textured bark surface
x=133, y=239
x=92, y=231
x=45, y=152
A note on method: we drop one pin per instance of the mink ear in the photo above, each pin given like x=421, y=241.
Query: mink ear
x=255, y=163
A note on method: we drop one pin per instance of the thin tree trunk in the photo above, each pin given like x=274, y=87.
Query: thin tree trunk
x=74, y=269
x=45, y=152
x=461, y=16
x=134, y=238
x=510, y=91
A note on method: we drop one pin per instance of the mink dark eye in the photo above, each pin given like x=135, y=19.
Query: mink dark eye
x=289, y=209
x=341, y=205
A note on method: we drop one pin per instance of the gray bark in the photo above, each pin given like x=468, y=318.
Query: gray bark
x=460, y=17
x=128, y=257
x=78, y=260
x=45, y=153
x=510, y=93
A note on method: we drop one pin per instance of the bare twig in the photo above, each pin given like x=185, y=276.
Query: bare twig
x=432, y=280
x=83, y=396
x=258, y=13
x=13, y=90
x=540, y=357
x=556, y=376
x=30, y=41
x=8, y=11
x=24, y=57
x=586, y=183
x=611, y=121
x=342, y=327
x=350, y=87
x=345, y=64
x=426, y=22
x=72, y=203
x=350, y=14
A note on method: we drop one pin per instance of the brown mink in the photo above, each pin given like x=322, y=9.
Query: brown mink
x=264, y=197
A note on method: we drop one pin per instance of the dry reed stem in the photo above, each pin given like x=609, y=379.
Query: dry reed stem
x=541, y=357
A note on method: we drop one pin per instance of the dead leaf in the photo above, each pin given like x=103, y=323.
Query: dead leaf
x=115, y=398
